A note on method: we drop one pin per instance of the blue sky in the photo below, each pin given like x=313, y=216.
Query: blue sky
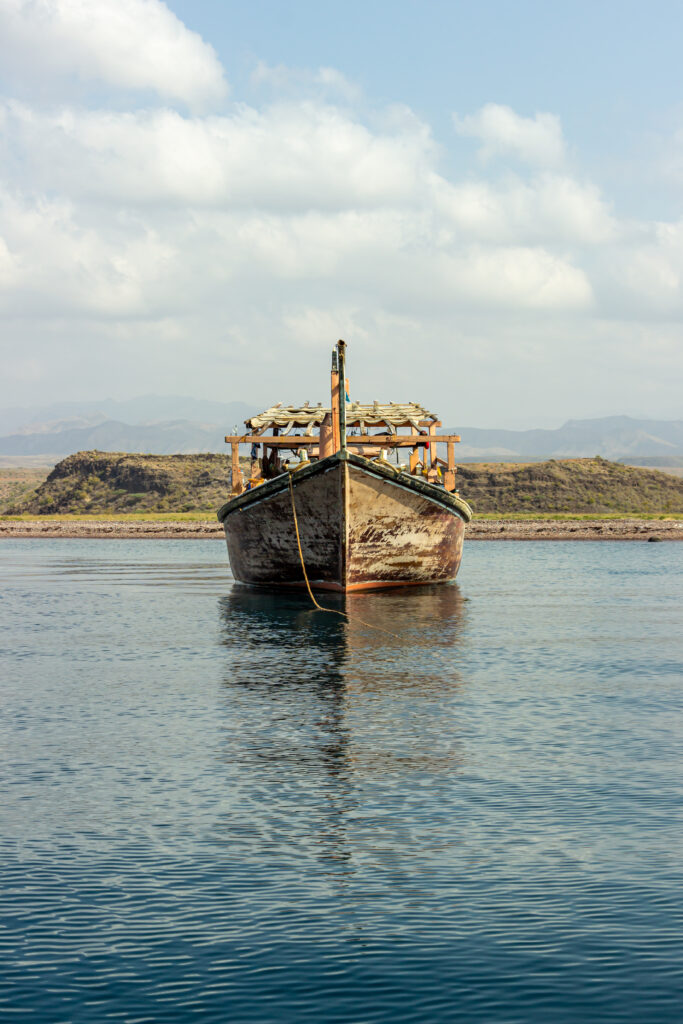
x=610, y=70
x=485, y=199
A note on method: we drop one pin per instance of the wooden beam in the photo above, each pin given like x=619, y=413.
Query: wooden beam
x=246, y=438
x=381, y=440
x=284, y=441
x=403, y=440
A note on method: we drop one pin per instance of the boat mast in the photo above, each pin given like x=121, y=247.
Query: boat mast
x=335, y=401
x=341, y=348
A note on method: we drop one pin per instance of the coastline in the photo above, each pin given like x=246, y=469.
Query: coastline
x=486, y=529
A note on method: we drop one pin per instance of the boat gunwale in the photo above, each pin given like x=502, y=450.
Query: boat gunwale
x=445, y=499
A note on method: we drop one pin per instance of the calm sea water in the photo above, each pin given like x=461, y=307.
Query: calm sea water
x=219, y=805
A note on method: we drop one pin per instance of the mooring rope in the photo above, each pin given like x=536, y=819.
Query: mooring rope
x=334, y=611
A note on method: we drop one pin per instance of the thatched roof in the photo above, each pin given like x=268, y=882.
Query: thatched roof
x=390, y=415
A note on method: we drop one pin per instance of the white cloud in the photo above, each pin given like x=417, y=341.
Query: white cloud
x=502, y=132
x=304, y=155
x=550, y=207
x=8, y=267
x=306, y=325
x=300, y=193
x=204, y=242
x=325, y=83
x=133, y=44
x=61, y=264
x=644, y=277
x=521, y=277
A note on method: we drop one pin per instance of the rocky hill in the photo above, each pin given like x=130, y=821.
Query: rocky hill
x=98, y=482
x=571, y=485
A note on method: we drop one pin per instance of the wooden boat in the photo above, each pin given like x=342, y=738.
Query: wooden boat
x=362, y=522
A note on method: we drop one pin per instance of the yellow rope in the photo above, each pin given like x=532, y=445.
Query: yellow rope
x=334, y=611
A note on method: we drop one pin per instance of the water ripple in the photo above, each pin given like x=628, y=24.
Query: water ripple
x=221, y=805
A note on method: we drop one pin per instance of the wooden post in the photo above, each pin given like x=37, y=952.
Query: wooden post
x=414, y=459
x=449, y=476
x=430, y=458
x=275, y=455
x=256, y=470
x=326, y=437
x=237, y=485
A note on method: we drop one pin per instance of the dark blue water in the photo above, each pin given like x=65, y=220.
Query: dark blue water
x=219, y=805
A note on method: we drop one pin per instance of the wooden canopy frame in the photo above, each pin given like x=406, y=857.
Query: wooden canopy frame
x=333, y=437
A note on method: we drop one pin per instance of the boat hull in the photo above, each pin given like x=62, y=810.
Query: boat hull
x=361, y=527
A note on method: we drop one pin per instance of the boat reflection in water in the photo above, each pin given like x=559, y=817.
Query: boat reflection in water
x=336, y=720
x=399, y=639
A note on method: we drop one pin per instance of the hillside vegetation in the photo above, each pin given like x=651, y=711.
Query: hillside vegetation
x=98, y=482
x=570, y=485
x=18, y=484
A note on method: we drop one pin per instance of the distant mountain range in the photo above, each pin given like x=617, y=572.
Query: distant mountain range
x=160, y=424
x=143, y=411
x=179, y=424
x=612, y=437
x=176, y=436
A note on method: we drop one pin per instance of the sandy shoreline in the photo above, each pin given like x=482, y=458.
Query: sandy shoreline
x=614, y=529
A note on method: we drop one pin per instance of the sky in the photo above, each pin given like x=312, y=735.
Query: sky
x=484, y=200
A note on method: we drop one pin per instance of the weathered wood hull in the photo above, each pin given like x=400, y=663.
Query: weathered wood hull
x=361, y=527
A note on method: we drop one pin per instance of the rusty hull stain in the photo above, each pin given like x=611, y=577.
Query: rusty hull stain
x=262, y=543
x=398, y=535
